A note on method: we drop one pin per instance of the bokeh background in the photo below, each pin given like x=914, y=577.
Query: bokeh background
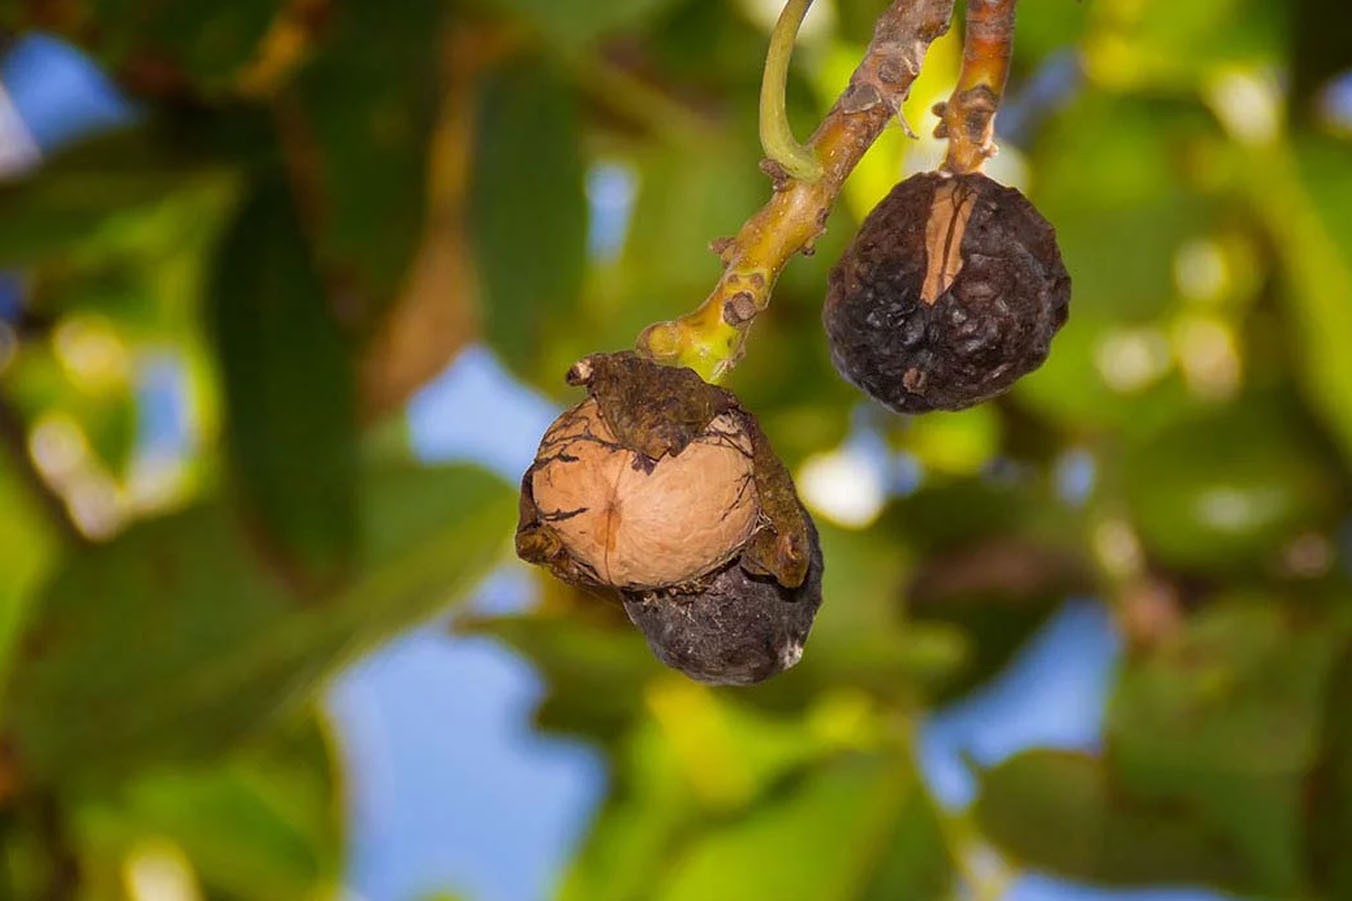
x=287, y=290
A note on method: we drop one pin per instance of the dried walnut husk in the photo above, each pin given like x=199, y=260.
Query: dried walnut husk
x=951, y=291
x=661, y=488
x=740, y=629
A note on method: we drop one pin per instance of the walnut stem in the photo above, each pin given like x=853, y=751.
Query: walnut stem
x=968, y=118
x=775, y=132
x=711, y=338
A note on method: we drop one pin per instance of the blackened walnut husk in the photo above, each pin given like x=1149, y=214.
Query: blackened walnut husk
x=739, y=630
x=952, y=290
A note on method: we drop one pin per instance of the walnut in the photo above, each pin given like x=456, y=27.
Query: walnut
x=660, y=489
x=951, y=291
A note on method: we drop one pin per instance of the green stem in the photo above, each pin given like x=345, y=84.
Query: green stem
x=775, y=133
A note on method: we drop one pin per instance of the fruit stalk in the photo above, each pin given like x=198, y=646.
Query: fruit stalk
x=968, y=118
x=775, y=133
x=711, y=339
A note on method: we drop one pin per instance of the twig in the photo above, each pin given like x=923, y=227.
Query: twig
x=710, y=339
x=968, y=118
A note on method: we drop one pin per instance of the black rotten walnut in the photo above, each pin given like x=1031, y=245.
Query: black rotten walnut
x=659, y=488
x=950, y=292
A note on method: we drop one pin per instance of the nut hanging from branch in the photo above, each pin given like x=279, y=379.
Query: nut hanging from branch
x=951, y=291
x=661, y=488
x=710, y=339
x=954, y=286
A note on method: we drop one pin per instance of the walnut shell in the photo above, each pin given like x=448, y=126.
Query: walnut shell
x=950, y=292
x=633, y=522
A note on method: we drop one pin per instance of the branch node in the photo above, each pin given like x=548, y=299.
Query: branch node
x=778, y=174
x=740, y=308
x=858, y=97
x=720, y=247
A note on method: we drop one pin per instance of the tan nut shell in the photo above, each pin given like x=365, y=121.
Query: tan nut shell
x=641, y=525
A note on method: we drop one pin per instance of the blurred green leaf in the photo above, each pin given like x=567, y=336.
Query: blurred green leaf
x=1222, y=720
x=997, y=592
x=861, y=636
x=947, y=514
x=579, y=21
x=116, y=233
x=1119, y=221
x=98, y=400
x=595, y=674
x=855, y=19
x=175, y=640
x=206, y=43
x=685, y=200
x=289, y=392
x=1062, y=811
x=27, y=548
x=671, y=770
x=1304, y=197
x=110, y=426
x=264, y=824
x=859, y=827
x=528, y=212
x=1328, y=788
x=711, y=45
x=916, y=860
x=1317, y=54
x=993, y=559
x=1226, y=491
x=962, y=443
x=76, y=203
x=712, y=800
x=648, y=809
x=1047, y=27
x=1085, y=387
x=366, y=101
x=731, y=754
x=1163, y=46
x=1119, y=224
